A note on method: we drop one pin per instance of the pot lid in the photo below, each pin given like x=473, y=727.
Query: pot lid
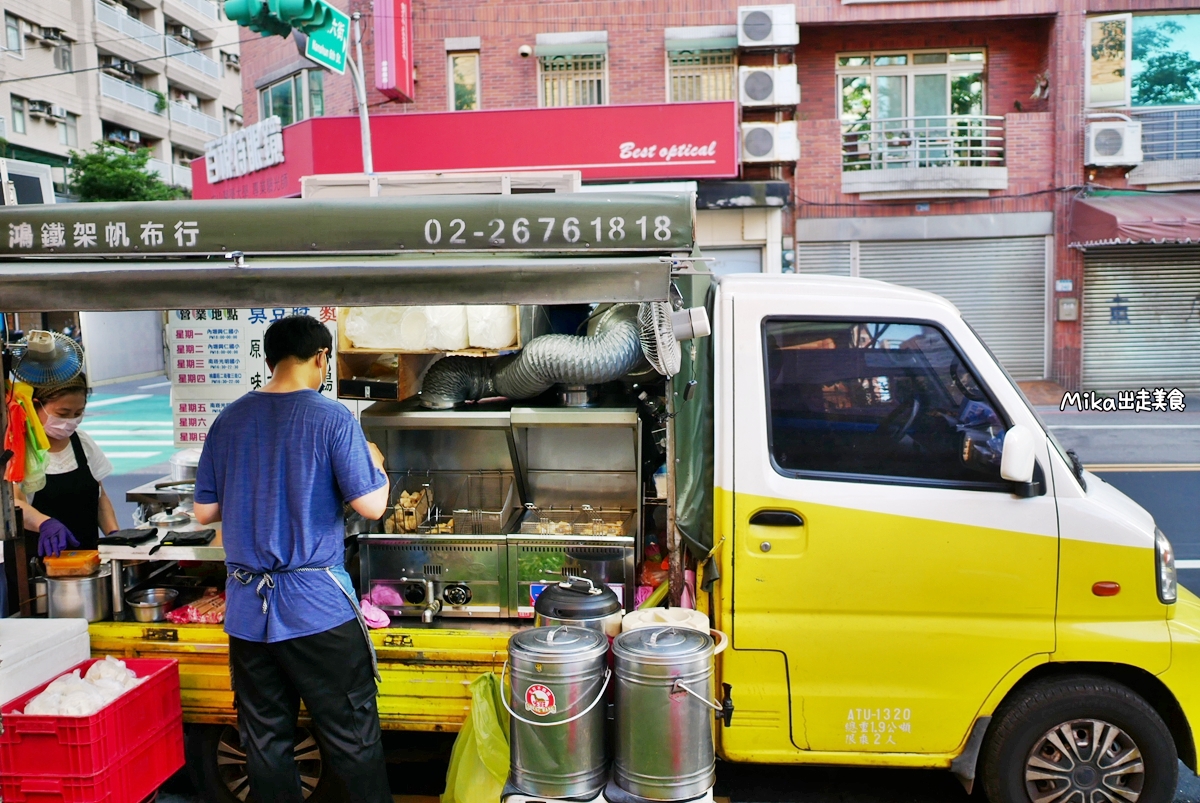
x=578, y=598
x=186, y=457
x=563, y=641
x=663, y=645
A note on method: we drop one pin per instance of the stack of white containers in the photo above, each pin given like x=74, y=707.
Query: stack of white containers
x=32, y=651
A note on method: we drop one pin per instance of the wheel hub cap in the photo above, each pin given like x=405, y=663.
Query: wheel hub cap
x=1085, y=761
x=231, y=762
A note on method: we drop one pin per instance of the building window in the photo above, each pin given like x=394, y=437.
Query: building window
x=887, y=86
x=463, y=70
x=18, y=115
x=68, y=131
x=294, y=98
x=63, y=58
x=316, y=93
x=13, y=42
x=702, y=75
x=572, y=80
x=843, y=395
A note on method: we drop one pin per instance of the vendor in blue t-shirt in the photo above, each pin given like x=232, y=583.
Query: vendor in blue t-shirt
x=276, y=469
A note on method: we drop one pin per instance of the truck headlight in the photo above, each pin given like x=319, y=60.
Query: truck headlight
x=1164, y=560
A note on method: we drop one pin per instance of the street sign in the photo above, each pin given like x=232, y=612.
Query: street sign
x=329, y=44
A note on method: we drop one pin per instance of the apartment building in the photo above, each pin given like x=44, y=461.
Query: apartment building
x=157, y=74
x=952, y=146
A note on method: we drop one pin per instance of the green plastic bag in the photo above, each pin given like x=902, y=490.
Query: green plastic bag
x=479, y=761
x=35, y=463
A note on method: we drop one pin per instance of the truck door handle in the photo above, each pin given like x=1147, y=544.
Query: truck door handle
x=777, y=518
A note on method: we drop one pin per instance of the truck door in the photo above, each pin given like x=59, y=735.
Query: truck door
x=875, y=543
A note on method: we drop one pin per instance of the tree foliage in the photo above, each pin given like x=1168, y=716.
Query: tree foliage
x=109, y=172
x=1168, y=74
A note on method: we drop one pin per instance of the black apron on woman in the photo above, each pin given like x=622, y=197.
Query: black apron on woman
x=74, y=499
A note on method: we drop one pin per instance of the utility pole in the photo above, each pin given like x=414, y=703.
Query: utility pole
x=360, y=89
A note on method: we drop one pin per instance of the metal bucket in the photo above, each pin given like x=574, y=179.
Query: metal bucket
x=557, y=680
x=664, y=713
x=81, y=597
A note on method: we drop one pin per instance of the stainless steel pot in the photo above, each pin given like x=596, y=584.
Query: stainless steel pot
x=81, y=597
x=557, y=680
x=151, y=604
x=183, y=464
x=664, y=747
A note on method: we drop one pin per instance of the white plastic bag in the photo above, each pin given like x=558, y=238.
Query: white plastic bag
x=447, y=328
x=492, y=326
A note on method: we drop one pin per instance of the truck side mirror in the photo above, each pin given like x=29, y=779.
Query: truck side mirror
x=1017, y=458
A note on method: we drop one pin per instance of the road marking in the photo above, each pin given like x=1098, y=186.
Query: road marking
x=1124, y=426
x=119, y=400
x=115, y=422
x=166, y=384
x=1187, y=564
x=102, y=443
x=1143, y=467
x=111, y=455
x=97, y=434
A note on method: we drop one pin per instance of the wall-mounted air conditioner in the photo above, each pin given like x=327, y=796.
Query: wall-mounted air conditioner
x=114, y=65
x=770, y=142
x=767, y=26
x=52, y=36
x=181, y=32
x=231, y=60
x=135, y=136
x=58, y=112
x=39, y=108
x=1114, y=142
x=768, y=86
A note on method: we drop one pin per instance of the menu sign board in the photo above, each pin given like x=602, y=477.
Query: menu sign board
x=216, y=356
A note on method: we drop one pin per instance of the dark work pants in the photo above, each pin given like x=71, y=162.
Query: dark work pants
x=331, y=673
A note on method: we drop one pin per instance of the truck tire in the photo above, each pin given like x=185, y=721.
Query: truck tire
x=217, y=766
x=1079, y=740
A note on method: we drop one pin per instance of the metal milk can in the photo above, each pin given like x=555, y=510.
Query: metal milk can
x=557, y=680
x=665, y=713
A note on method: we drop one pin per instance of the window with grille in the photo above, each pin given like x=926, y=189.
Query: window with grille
x=702, y=75
x=573, y=80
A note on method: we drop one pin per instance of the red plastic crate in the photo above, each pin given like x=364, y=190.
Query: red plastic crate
x=77, y=747
x=130, y=780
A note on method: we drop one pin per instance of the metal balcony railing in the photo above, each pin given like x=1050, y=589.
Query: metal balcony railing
x=203, y=7
x=129, y=93
x=120, y=21
x=1170, y=134
x=186, y=115
x=175, y=174
x=193, y=58
x=944, y=141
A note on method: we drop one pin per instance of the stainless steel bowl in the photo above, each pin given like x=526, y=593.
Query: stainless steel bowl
x=151, y=604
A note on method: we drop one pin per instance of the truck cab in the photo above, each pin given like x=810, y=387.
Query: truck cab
x=913, y=572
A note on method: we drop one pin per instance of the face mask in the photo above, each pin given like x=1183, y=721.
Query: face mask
x=61, y=428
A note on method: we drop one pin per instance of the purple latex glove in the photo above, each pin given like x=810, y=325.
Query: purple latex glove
x=54, y=537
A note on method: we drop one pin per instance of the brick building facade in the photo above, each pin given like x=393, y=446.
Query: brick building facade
x=873, y=195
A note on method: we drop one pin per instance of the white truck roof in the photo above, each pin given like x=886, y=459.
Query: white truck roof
x=841, y=287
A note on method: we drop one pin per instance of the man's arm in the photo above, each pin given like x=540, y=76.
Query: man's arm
x=207, y=513
x=372, y=506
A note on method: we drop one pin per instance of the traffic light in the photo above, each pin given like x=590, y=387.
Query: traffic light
x=279, y=16
x=256, y=15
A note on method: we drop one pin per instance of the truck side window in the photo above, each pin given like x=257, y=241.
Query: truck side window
x=878, y=401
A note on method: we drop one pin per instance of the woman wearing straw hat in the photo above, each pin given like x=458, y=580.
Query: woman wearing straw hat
x=72, y=508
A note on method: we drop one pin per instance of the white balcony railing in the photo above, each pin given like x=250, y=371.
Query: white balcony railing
x=193, y=58
x=918, y=142
x=128, y=93
x=120, y=21
x=1170, y=134
x=178, y=175
x=203, y=7
x=186, y=115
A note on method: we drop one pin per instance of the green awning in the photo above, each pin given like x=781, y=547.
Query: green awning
x=572, y=49
x=712, y=43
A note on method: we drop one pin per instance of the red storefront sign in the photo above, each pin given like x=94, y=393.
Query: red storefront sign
x=393, y=49
x=641, y=142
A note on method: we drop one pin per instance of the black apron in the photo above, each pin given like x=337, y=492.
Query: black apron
x=74, y=499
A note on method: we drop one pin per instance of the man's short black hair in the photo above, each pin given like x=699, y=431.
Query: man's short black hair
x=299, y=336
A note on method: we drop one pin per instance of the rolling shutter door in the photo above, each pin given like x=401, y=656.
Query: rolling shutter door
x=998, y=284
x=1141, y=318
x=828, y=258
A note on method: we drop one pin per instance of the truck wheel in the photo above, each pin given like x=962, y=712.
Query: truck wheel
x=1079, y=740
x=217, y=765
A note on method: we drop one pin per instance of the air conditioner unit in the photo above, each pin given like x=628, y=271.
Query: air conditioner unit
x=52, y=35
x=1115, y=142
x=116, y=66
x=231, y=60
x=135, y=136
x=768, y=86
x=39, y=108
x=180, y=32
x=32, y=32
x=59, y=112
x=770, y=142
x=767, y=26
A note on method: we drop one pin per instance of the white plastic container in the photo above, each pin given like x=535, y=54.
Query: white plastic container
x=35, y=651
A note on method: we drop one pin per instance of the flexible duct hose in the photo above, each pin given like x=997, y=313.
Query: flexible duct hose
x=610, y=353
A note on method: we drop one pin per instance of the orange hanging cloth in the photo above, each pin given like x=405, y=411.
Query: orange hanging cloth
x=14, y=438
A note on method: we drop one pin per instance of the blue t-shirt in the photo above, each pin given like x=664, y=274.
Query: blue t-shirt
x=281, y=465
